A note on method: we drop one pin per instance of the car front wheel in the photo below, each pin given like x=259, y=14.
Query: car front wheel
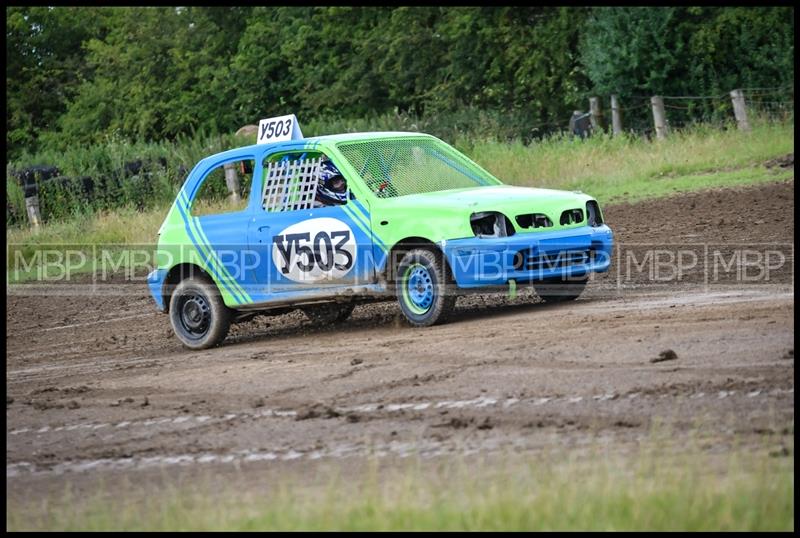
x=199, y=317
x=424, y=288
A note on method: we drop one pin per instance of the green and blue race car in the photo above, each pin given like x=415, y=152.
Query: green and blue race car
x=326, y=222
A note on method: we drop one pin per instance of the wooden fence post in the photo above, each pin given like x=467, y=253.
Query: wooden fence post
x=596, y=114
x=616, y=116
x=32, y=207
x=740, y=110
x=30, y=189
x=232, y=180
x=659, y=116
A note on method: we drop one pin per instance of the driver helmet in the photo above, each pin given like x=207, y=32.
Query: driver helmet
x=332, y=188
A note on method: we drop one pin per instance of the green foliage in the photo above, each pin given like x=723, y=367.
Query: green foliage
x=45, y=63
x=79, y=75
x=155, y=73
x=464, y=123
x=158, y=73
x=637, y=52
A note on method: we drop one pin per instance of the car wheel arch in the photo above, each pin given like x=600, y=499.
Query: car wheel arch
x=178, y=273
x=400, y=248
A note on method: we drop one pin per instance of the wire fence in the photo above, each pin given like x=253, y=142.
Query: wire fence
x=764, y=103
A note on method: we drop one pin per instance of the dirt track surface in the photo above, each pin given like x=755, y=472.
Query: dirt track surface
x=99, y=384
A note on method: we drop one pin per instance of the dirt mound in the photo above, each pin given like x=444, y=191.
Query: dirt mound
x=787, y=161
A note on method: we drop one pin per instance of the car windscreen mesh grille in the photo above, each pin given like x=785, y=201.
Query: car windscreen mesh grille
x=398, y=167
x=290, y=185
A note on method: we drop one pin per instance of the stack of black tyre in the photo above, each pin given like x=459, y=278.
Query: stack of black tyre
x=59, y=194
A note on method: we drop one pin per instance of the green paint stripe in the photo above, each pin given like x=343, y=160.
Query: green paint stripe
x=210, y=264
x=358, y=218
x=374, y=231
x=365, y=217
x=204, y=244
x=232, y=282
x=202, y=258
x=364, y=227
x=356, y=221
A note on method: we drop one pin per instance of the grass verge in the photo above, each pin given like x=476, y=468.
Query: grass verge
x=630, y=169
x=689, y=489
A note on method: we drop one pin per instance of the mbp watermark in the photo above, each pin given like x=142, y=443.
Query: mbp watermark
x=125, y=269
x=748, y=264
x=706, y=264
x=48, y=264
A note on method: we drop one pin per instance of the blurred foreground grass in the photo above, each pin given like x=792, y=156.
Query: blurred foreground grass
x=677, y=489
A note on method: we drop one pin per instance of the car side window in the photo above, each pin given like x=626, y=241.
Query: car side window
x=225, y=189
x=302, y=180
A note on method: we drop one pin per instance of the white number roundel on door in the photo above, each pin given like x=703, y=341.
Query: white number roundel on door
x=314, y=249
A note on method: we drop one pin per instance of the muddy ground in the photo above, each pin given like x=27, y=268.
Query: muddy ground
x=97, y=386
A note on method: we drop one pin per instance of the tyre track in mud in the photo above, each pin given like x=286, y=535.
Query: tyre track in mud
x=582, y=416
x=428, y=381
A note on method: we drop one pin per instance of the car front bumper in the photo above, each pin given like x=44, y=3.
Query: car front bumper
x=530, y=257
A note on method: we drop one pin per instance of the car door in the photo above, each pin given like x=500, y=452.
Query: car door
x=302, y=250
x=218, y=212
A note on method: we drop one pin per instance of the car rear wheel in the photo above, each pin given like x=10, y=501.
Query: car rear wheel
x=199, y=317
x=560, y=290
x=424, y=288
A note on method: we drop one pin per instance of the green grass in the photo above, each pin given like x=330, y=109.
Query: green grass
x=625, y=168
x=683, y=489
x=125, y=226
x=611, y=169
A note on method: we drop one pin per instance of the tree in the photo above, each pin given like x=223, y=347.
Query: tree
x=77, y=75
x=688, y=51
x=45, y=61
x=159, y=72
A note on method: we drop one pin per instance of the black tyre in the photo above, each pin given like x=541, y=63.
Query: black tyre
x=199, y=317
x=424, y=288
x=560, y=290
x=328, y=313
